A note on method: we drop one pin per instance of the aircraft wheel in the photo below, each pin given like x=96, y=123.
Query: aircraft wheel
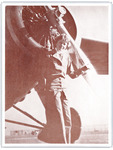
x=76, y=125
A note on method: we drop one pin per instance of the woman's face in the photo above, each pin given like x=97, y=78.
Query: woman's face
x=61, y=45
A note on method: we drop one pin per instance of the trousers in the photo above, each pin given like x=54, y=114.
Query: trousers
x=57, y=114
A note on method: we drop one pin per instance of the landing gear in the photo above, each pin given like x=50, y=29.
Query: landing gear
x=75, y=130
x=76, y=125
x=47, y=135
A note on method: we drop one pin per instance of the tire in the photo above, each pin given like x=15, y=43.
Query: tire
x=76, y=125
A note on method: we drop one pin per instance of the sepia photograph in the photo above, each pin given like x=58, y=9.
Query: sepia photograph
x=56, y=88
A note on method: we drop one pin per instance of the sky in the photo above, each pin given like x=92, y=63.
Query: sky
x=92, y=22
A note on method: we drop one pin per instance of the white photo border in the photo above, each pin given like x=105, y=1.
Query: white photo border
x=73, y=3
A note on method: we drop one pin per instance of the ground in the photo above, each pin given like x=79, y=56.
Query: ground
x=89, y=137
